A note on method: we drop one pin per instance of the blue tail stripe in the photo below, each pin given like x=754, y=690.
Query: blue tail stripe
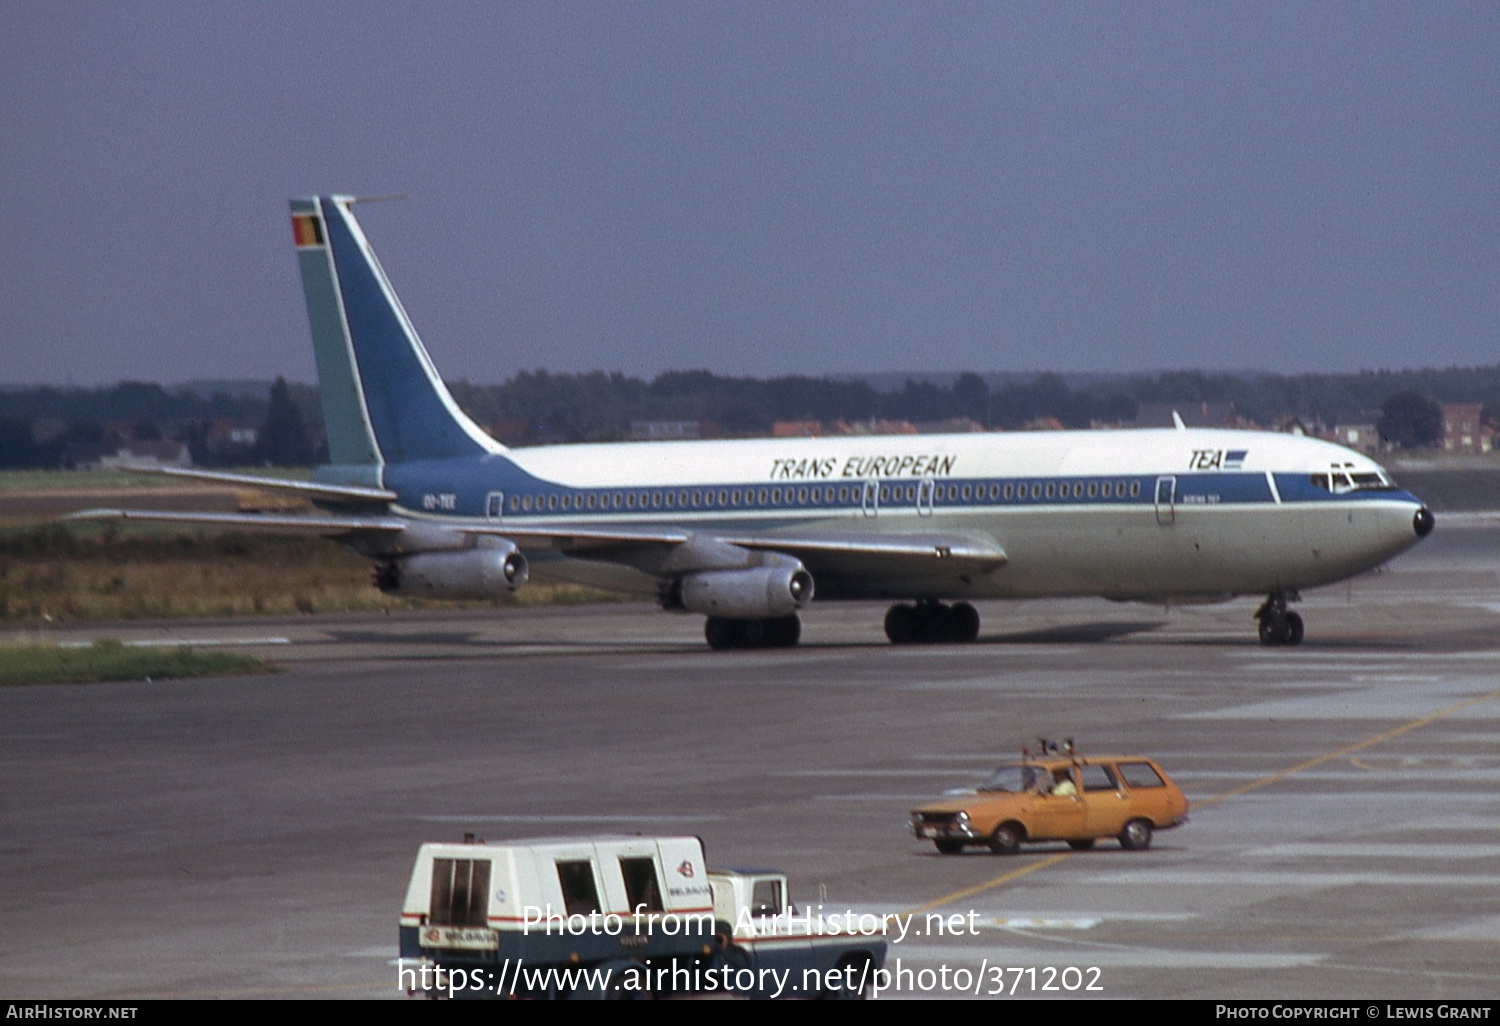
x=407, y=412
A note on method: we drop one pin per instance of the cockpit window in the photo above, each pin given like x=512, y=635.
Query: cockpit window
x=1340, y=480
x=1372, y=482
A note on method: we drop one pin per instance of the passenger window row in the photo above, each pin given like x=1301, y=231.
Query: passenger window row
x=919, y=493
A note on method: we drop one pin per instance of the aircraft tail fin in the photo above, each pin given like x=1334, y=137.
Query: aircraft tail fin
x=383, y=401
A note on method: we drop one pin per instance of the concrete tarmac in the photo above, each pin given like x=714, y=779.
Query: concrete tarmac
x=251, y=837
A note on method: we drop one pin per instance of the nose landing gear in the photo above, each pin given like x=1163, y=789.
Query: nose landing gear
x=1277, y=625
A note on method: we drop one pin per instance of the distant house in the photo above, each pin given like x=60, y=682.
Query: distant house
x=951, y=426
x=225, y=431
x=873, y=426
x=1363, y=438
x=664, y=430
x=148, y=454
x=1463, y=429
x=796, y=428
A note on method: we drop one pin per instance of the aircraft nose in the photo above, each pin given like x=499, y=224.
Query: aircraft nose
x=1422, y=522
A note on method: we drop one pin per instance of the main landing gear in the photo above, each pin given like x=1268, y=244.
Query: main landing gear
x=776, y=632
x=1277, y=626
x=929, y=622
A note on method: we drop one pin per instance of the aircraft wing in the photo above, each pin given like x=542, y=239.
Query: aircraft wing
x=974, y=552
x=849, y=563
x=271, y=523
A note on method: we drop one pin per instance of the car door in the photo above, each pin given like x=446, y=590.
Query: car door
x=1106, y=806
x=1055, y=816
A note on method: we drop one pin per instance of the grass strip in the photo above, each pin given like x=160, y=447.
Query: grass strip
x=70, y=573
x=111, y=660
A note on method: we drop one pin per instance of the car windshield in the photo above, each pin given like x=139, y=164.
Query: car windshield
x=1013, y=777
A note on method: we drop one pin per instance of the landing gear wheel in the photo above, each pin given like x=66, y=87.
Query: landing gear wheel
x=1293, y=634
x=753, y=633
x=965, y=622
x=721, y=633
x=929, y=622
x=1277, y=625
x=776, y=632
x=1270, y=631
x=1136, y=836
x=901, y=625
x=783, y=632
x=1006, y=840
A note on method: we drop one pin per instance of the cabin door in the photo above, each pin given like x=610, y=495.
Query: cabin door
x=925, y=492
x=1166, y=500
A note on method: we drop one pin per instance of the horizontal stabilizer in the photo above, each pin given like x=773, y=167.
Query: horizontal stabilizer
x=311, y=489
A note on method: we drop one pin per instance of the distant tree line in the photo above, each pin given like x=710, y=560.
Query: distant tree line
x=601, y=407
x=46, y=426
x=39, y=426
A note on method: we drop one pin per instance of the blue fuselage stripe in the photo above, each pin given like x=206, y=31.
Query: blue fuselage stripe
x=496, y=488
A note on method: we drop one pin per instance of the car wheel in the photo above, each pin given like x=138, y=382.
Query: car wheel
x=1136, y=836
x=949, y=847
x=1081, y=845
x=1006, y=840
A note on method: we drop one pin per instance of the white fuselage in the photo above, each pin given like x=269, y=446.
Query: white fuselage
x=1171, y=515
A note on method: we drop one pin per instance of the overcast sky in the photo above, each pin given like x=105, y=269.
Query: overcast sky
x=763, y=188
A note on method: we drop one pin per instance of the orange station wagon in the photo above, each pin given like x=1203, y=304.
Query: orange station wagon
x=1057, y=798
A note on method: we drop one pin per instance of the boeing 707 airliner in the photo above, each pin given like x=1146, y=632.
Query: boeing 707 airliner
x=746, y=532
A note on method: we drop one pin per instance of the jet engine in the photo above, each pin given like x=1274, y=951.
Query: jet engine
x=470, y=574
x=754, y=593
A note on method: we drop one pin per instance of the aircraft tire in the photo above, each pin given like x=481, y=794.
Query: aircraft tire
x=720, y=633
x=934, y=623
x=902, y=624
x=1293, y=630
x=723, y=633
x=783, y=631
x=754, y=633
x=1286, y=629
x=965, y=621
x=1271, y=632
